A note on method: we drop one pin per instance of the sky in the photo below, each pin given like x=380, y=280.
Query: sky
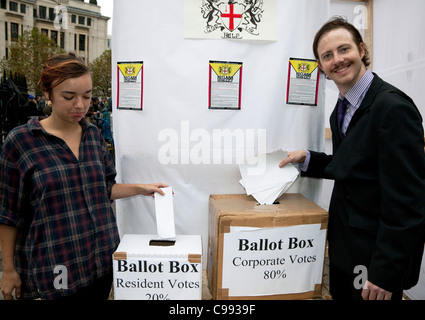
x=106, y=8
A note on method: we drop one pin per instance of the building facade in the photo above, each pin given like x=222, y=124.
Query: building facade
x=76, y=26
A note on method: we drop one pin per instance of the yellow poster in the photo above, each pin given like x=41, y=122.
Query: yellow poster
x=130, y=85
x=225, y=85
x=303, y=82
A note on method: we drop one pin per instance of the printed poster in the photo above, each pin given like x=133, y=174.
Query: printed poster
x=130, y=85
x=225, y=85
x=237, y=19
x=303, y=82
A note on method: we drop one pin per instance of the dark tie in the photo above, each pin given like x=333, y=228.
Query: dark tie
x=342, y=110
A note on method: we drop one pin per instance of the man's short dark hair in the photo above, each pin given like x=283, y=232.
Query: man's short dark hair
x=337, y=23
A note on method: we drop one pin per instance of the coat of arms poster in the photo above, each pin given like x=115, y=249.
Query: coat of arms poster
x=234, y=19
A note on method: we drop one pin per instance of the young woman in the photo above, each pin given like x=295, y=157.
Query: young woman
x=57, y=180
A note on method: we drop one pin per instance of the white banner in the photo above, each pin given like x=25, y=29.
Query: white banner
x=238, y=19
x=176, y=139
x=273, y=261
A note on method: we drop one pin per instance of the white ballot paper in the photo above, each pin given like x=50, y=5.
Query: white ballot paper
x=165, y=214
x=270, y=183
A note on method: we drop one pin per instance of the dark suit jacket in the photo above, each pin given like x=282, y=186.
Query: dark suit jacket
x=377, y=209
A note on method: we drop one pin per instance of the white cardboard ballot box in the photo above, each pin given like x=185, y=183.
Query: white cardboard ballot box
x=146, y=268
x=265, y=251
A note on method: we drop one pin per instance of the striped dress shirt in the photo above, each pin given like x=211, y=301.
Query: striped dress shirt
x=355, y=98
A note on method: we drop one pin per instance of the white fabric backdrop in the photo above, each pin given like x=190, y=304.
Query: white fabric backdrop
x=176, y=97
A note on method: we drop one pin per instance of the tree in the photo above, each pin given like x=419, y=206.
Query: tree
x=28, y=55
x=101, y=75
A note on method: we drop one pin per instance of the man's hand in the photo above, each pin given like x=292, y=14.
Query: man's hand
x=294, y=157
x=373, y=292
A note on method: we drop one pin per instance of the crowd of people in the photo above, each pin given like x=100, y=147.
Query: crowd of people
x=41, y=107
x=99, y=112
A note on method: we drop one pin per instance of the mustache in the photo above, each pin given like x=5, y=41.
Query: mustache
x=341, y=66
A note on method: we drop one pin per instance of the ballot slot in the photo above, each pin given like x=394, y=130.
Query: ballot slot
x=162, y=243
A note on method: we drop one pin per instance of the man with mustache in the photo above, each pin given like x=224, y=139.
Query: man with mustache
x=377, y=209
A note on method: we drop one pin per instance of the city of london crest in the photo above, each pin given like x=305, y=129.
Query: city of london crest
x=232, y=18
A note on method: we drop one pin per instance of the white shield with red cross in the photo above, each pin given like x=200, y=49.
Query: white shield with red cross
x=231, y=15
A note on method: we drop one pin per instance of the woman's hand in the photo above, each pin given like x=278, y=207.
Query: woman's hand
x=124, y=190
x=11, y=281
x=150, y=189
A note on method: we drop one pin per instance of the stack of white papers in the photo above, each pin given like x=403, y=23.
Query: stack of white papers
x=264, y=180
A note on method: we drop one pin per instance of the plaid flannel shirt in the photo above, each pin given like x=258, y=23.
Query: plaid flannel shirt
x=61, y=207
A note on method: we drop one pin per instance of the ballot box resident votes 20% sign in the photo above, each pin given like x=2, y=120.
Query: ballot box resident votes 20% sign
x=147, y=269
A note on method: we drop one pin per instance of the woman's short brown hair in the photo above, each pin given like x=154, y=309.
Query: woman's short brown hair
x=59, y=68
x=336, y=23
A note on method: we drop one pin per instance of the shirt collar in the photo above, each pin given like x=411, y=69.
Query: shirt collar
x=357, y=91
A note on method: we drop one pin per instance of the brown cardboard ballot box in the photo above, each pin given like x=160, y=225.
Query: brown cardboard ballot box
x=265, y=251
